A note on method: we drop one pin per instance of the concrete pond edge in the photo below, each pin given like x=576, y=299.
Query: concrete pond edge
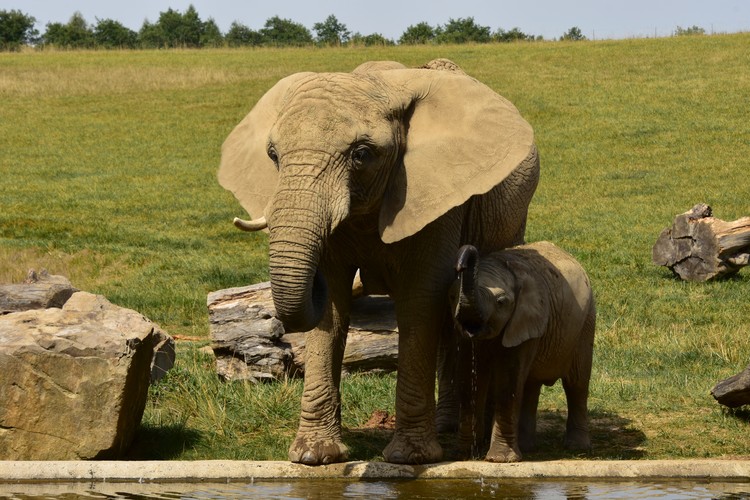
x=225, y=471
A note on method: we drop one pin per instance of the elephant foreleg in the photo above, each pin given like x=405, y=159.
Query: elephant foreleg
x=319, y=440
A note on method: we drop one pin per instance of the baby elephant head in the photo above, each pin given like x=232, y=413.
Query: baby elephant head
x=492, y=296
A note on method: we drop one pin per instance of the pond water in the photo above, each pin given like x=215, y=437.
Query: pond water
x=411, y=489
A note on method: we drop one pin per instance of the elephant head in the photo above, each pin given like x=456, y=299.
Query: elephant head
x=497, y=295
x=394, y=147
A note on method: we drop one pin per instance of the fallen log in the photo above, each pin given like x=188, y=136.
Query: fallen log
x=733, y=391
x=699, y=247
x=250, y=344
x=39, y=291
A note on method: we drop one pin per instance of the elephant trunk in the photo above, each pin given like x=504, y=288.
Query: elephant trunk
x=298, y=287
x=468, y=312
x=301, y=220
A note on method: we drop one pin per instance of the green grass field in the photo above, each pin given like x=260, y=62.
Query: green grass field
x=108, y=163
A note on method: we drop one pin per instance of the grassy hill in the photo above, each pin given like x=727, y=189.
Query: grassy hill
x=107, y=168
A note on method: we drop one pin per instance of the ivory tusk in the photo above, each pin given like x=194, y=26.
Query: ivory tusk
x=251, y=225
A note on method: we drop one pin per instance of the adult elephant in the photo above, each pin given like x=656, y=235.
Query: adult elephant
x=388, y=170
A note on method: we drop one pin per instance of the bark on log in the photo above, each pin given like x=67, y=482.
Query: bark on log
x=733, y=391
x=38, y=291
x=250, y=344
x=699, y=247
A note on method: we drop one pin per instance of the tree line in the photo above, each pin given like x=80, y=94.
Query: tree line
x=175, y=29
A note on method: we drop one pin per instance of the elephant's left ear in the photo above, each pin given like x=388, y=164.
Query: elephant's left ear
x=463, y=139
x=532, y=309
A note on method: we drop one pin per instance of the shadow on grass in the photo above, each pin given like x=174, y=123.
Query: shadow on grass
x=612, y=438
x=741, y=413
x=162, y=443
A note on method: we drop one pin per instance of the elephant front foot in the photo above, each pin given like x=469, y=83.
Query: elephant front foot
x=577, y=440
x=413, y=450
x=316, y=451
x=503, y=454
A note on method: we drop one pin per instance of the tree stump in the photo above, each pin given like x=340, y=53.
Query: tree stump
x=699, y=247
x=250, y=344
x=733, y=391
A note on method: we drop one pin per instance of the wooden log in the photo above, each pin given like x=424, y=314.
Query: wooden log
x=733, y=391
x=699, y=247
x=39, y=291
x=250, y=344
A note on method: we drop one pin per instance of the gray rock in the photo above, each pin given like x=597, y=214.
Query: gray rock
x=733, y=391
x=39, y=291
x=74, y=381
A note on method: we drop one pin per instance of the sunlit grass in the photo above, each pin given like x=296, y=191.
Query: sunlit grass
x=107, y=175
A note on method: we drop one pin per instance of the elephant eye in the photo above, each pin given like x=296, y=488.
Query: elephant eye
x=361, y=154
x=273, y=155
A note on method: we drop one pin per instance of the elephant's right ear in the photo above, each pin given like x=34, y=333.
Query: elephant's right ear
x=245, y=169
x=532, y=309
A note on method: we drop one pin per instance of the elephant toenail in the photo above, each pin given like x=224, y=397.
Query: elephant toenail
x=309, y=458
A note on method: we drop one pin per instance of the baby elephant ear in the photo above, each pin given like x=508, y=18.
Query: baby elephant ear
x=245, y=169
x=532, y=309
x=462, y=139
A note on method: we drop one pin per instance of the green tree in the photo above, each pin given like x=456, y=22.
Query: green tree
x=240, y=35
x=574, y=34
x=512, y=35
x=150, y=36
x=417, y=34
x=16, y=29
x=76, y=34
x=285, y=32
x=110, y=34
x=211, y=34
x=375, y=39
x=331, y=32
x=693, y=30
x=180, y=30
x=462, y=30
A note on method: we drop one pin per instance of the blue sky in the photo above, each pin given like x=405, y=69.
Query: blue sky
x=549, y=18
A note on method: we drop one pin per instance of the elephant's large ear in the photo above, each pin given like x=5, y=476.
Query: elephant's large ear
x=245, y=169
x=532, y=308
x=462, y=139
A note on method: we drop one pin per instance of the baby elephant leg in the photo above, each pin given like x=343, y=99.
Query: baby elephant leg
x=527, y=422
x=576, y=386
x=504, y=446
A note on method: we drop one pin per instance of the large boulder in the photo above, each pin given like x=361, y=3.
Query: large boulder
x=74, y=380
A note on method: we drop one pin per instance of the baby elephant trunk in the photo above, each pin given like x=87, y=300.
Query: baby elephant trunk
x=468, y=313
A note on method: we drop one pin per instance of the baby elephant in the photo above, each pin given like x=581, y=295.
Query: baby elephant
x=530, y=316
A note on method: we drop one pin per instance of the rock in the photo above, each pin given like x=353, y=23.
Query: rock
x=250, y=343
x=733, y=391
x=164, y=354
x=39, y=291
x=74, y=380
x=699, y=247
